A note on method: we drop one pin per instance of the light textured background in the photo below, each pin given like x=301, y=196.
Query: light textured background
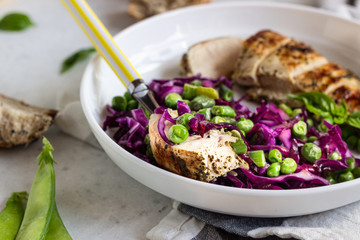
x=95, y=198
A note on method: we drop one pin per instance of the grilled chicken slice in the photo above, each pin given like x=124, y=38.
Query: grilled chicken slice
x=320, y=78
x=255, y=50
x=202, y=158
x=330, y=78
x=347, y=89
x=333, y=80
x=278, y=71
x=212, y=58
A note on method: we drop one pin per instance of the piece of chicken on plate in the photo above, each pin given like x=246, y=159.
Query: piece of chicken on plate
x=202, y=158
x=255, y=49
x=212, y=58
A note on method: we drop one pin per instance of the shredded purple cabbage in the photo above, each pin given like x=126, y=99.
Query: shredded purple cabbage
x=272, y=130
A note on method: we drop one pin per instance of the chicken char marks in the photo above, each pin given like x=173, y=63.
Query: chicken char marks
x=273, y=66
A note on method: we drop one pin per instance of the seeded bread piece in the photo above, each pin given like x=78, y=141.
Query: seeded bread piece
x=141, y=9
x=21, y=123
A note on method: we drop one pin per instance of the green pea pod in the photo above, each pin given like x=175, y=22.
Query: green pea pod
x=57, y=229
x=41, y=202
x=207, y=91
x=12, y=215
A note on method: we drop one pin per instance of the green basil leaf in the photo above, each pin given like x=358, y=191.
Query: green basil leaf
x=15, y=22
x=340, y=113
x=354, y=120
x=75, y=58
x=316, y=103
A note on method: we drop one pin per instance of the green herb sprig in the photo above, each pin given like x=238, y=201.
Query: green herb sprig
x=324, y=106
x=75, y=58
x=15, y=22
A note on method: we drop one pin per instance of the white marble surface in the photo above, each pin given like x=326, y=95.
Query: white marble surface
x=96, y=199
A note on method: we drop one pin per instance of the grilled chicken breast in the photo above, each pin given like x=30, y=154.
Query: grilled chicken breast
x=292, y=67
x=278, y=70
x=212, y=58
x=255, y=50
x=202, y=158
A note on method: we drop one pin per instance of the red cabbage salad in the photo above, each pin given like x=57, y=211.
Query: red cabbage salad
x=285, y=148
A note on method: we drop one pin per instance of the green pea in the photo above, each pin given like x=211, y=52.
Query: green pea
x=296, y=112
x=178, y=133
x=172, y=99
x=184, y=119
x=311, y=152
x=351, y=163
x=196, y=83
x=218, y=119
x=287, y=109
x=226, y=93
x=311, y=139
x=239, y=146
x=356, y=172
x=207, y=91
x=273, y=170
x=230, y=120
x=12, y=215
x=225, y=111
x=310, y=122
x=201, y=102
x=245, y=124
x=331, y=179
x=346, y=176
x=235, y=133
x=189, y=91
x=186, y=101
x=243, y=133
x=288, y=165
x=299, y=129
x=119, y=103
x=335, y=156
x=206, y=112
x=57, y=229
x=258, y=157
x=41, y=202
x=275, y=156
x=132, y=104
x=128, y=96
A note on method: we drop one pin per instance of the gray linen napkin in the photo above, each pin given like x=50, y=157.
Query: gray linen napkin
x=186, y=222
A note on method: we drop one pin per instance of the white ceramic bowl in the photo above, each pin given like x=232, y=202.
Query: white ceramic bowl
x=155, y=47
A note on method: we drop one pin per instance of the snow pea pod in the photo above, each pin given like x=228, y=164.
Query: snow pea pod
x=41, y=202
x=12, y=215
x=57, y=229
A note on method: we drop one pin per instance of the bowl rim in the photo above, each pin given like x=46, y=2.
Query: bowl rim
x=97, y=129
